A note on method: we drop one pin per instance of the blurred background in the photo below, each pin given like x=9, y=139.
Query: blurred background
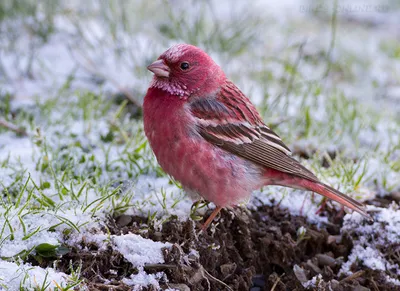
x=266, y=47
x=325, y=71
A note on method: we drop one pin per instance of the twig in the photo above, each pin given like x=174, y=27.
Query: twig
x=374, y=283
x=276, y=282
x=209, y=276
x=353, y=276
x=12, y=127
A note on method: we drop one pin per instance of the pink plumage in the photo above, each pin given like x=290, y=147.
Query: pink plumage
x=209, y=136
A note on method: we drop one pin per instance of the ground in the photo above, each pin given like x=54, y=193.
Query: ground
x=86, y=206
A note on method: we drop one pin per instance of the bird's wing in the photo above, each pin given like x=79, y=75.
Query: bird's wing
x=230, y=121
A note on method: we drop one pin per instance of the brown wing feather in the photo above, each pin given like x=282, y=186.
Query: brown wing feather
x=230, y=121
x=259, y=152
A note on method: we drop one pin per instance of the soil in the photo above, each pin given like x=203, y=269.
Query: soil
x=243, y=250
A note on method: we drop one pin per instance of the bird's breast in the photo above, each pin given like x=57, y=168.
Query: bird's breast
x=165, y=119
x=200, y=166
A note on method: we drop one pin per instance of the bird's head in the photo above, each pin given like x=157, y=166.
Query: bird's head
x=185, y=70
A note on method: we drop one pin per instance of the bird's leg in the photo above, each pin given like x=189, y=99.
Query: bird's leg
x=341, y=212
x=302, y=204
x=322, y=207
x=211, y=218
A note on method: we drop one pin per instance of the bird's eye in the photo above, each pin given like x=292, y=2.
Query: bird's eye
x=184, y=66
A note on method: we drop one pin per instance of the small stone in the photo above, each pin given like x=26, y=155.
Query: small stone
x=313, y=267
x=124, y=220
x=325, y=260
x=300, y=274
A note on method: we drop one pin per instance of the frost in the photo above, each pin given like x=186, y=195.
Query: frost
x=368, y=239
x=314, y=282
x=394, y=281
x=138, y=250
x=14, y=276
x=142, y=279
x=38, y=228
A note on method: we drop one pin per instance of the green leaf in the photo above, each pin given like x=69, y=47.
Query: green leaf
x=46, y=250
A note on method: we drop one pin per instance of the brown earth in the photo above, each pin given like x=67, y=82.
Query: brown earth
x=244, y=250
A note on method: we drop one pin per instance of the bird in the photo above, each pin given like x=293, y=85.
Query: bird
x=206, y=134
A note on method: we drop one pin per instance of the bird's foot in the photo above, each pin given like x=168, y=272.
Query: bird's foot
x=211, y=218
x=322, y=207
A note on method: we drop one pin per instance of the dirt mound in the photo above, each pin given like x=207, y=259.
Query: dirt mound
x=266, y=249
x=257, y=250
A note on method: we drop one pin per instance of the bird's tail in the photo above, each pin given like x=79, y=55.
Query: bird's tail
x=335, y=195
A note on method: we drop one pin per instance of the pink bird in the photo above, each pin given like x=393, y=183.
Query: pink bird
x=209, y=136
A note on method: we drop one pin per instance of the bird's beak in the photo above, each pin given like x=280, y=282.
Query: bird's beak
x=159, y=68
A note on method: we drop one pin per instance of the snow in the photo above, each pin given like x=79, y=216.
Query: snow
x=149, y=189
x=135, y=249
x=38, y=228
x=367, y=256
x=369, y=237
x=314, y=282
x=138, y=250
x=393, y=280
x=142, y=279
x=17, y=150
x=14, y=276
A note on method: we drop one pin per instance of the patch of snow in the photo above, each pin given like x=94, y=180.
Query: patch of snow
x=142, y=279
x=138, y=250
x=314, y=282
x=367, y=237
x=14, y=276
x=394, y=281
x=38, y=228
x=101, y=240
x=366, y=256
x=149, y=190
x=18, y=150
x=135, y=249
